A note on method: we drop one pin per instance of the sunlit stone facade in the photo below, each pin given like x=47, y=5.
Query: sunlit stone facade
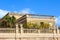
x=37, y=19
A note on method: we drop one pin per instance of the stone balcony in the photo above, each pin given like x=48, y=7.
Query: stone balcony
x=29, y=34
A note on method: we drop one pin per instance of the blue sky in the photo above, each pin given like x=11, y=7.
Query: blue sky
x=46, y=7
x=49, y=7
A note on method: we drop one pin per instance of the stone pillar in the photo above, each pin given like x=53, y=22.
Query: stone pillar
x=38, y=31
x=16, y=34
x=57, y=30
x=54, y=31
x=21, y=26
x=57, y=33
x=17, y=29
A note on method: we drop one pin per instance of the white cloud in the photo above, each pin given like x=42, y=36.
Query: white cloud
x=27, y=11
x=3, y=12
x=58, y=20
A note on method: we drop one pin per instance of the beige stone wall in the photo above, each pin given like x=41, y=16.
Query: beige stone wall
x=38, y=20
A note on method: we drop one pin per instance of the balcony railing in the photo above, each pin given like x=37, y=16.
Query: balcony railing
x=7, y=30
x=37, y=31
x=13, y=30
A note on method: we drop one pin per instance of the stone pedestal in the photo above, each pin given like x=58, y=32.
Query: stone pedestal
x=21, y=28
x=17, y=30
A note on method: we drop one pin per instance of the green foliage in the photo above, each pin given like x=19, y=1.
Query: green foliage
x=37, y=26
x=30, y=25
x=25, y=25
x=8, y=21
x=44, y=25
x=13, y=21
